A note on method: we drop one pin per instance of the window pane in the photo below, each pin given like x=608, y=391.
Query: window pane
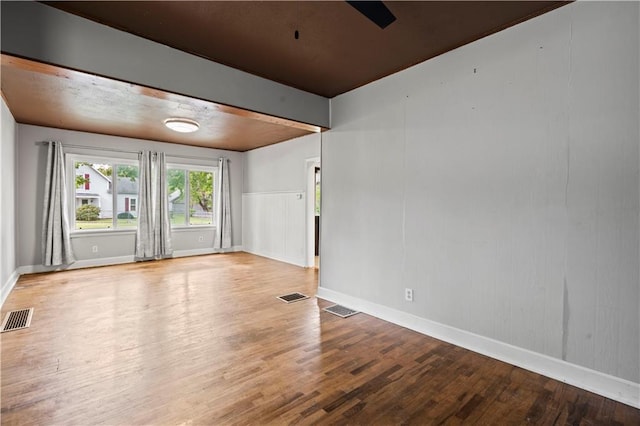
x=176, y=190
x=93, y=196
x=127, y=196
x=200, y=198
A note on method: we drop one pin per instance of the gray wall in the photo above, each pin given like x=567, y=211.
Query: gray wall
x=8, y=263
x=31, y=167
x=280, y=167
x=500, y=182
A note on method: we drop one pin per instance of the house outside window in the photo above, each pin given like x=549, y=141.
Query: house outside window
x=96, y=205
x=126, y=195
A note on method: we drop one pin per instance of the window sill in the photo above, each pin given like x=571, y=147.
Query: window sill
x=193, y=228
x=81, y=233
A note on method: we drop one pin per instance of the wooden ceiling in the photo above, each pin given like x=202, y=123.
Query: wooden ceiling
x=51, y=96
x=338, y=50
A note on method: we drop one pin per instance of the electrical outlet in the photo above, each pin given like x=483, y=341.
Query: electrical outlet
x=408, y=294
x=201, y=238
x=94, y=249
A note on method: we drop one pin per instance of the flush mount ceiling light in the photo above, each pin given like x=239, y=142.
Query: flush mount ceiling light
x=182, y=125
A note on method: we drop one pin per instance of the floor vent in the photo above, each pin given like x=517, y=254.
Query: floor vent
x=292, y=297
x=340, y=311
x=16, y=320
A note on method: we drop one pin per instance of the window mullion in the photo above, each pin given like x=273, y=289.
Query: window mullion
x=114, y=196
x=187, y=200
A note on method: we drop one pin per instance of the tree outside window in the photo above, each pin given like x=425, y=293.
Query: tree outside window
x=190, y=196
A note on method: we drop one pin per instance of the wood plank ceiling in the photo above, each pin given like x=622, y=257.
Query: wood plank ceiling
x=338, y=50
x=51, y=96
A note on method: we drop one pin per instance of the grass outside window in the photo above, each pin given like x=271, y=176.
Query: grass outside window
x=106, y=223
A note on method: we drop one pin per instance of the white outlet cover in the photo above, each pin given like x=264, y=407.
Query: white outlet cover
x=408, y=294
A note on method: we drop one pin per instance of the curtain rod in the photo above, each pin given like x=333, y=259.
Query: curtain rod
x=188, y=157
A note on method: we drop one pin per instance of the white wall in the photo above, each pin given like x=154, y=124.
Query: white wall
x=114, y=246
x=280, y=167
x=8, y=265
x=274, y=204
x=500, y=182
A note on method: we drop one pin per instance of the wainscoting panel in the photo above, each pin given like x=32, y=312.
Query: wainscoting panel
x=273, y=225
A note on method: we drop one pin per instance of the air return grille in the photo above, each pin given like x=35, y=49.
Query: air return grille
x=292, y=297
x=16, y=320
x=340, y=311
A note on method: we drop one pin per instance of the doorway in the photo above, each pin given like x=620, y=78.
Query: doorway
x=316, y=210
x=313, y=212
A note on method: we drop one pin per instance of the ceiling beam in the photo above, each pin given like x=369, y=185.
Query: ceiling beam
x=45, y=34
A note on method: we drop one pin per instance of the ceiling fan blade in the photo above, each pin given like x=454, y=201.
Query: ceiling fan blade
x=376, y=11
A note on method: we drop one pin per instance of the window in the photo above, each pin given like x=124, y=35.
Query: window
x=96, y=204
x=190, y=190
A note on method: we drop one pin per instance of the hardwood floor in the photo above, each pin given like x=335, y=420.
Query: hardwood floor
x=204, y=341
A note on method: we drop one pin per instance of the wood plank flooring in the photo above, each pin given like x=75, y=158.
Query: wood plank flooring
x=204, y=341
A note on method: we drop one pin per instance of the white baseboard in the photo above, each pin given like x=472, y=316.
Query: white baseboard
x=200, y=252
x=87, y=263
x=106, y=261
x=292, y=261
x=8, y=285
x=603, y=384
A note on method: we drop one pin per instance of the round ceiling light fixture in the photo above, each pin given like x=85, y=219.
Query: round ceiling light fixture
x=182, y=125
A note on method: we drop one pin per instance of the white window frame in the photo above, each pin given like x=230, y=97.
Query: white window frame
x=113, y=161
x=187, y=167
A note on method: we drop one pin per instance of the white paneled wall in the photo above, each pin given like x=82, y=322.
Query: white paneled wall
x=273, y=225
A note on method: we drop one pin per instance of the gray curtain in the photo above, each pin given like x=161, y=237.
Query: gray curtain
x=56, y=240
x=223, y=207
x=153, y=235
